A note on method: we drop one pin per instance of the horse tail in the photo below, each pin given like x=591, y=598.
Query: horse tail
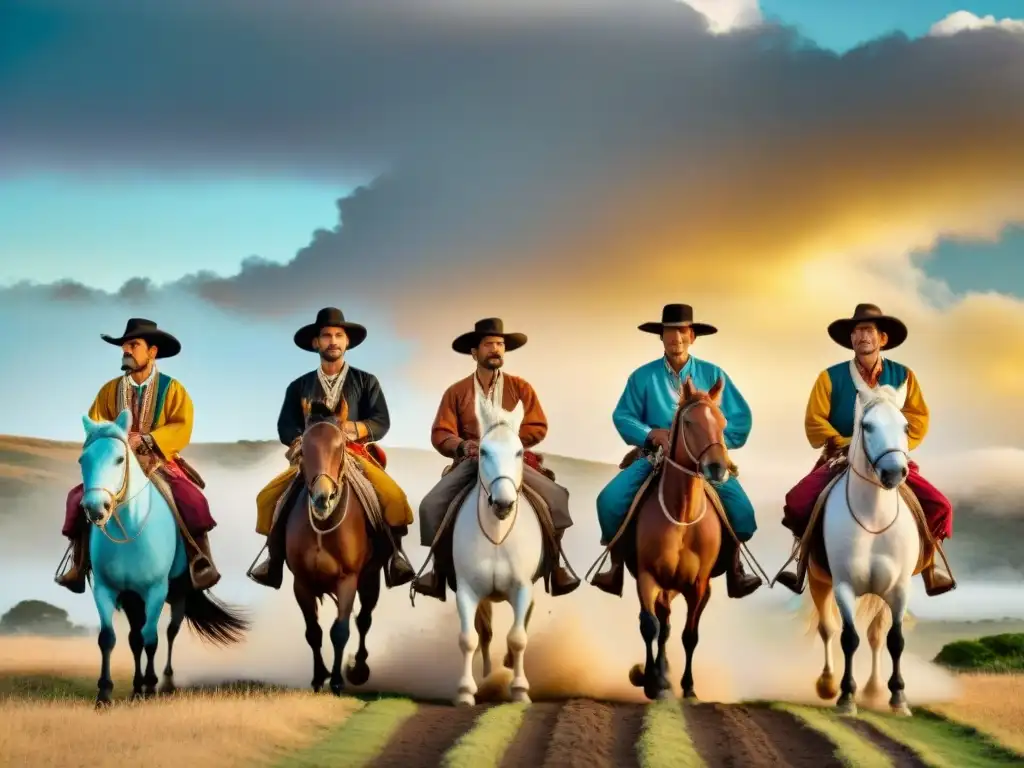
x=213, y=621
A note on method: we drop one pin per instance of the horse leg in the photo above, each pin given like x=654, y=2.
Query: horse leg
x=155, y=598
x=484, y=624
x=369, y=593
x=875, y=632
x=469, y=640
x=507, y=661
x=314, y=634
x=849, y=640
x=341, y=628
x=821, y=594
x=663, y=611
x=897, y=600
x=135, y=612
x=696, y=601
x=104, y=599
x=522, y=601
x=648, y=592
x=177, y=617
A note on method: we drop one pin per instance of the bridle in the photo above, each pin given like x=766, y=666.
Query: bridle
x=486, y=488
x=873, y=463
x=341, y=488
x=672, y=464
x=118, y=499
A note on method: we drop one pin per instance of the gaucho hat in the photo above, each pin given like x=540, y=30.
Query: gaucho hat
x=141, y=328
x=489, y=326
x=840, y=330
x=329, y=317
x=678, y=316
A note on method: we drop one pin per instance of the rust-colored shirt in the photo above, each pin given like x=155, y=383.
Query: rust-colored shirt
x=456, y=415
x=870, y=376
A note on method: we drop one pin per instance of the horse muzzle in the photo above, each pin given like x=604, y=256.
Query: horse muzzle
x=716, y=472
x=502, y=509
x=98, y=513
x=893, y=477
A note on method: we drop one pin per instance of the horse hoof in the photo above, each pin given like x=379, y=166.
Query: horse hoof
x=690, y=695
x=521, y=695
x=357, y=674
x=826, y=687
x=901, y=708
x=465, y=699
x=166, y=688
x=847, y=707
x=337, y=687
x=665, y=694
x=103, y=704
x=636, y=676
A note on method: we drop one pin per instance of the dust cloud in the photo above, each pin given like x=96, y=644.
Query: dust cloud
x=579, y=645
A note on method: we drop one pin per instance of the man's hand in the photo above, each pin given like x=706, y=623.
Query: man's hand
x=135, y=441
x=469, y=448
x=294, y=451
x=659, y=438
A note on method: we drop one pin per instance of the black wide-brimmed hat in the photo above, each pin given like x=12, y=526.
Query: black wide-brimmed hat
x=678, y=316
x=489, y=326
x=141, y=328
x=329, y=317
x=840, y=330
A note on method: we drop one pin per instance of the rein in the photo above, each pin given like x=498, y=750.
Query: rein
x=117, y=498
x=484, y=487
x=873, y=463
x=667, y=459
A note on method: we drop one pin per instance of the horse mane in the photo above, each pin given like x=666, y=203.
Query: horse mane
x=319, y=412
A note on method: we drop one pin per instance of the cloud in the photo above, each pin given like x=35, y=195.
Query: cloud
x=570, y=169
x=727, y=15
x=961, y=21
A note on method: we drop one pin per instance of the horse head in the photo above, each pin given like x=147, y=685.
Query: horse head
x=884, y=433
x=323, y=456
x=107, y=463
x=698, y=432
x=501, y=455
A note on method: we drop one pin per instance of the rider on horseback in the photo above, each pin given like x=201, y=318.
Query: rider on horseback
x=456, y=435
x=829, y=425
x=330, y=336
x=161, y=428
x=643, y=417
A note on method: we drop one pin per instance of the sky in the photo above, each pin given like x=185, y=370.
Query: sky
x=228, y=168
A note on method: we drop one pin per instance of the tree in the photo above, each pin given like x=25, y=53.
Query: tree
x=36, y=617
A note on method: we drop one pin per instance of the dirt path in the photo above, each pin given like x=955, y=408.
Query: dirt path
x=755, y=737
x=427, y=735
x=577, y=734
x=901, y=755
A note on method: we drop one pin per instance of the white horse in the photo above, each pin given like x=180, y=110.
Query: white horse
x=873, y=545
x=496, y=547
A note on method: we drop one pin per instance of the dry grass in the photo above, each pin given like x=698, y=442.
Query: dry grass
x=196, y=729
x=990, y=703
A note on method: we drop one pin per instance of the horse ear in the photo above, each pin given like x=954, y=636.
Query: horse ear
x=716, y=391
x=124, y=419
x=517, y=413
x=88, y=424
x=689, y=389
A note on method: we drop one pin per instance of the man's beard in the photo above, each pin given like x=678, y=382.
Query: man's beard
x=330, y=354
x=129, y=365
x=494, y=363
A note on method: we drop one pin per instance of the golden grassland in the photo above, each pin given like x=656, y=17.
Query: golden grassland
x=991, y=703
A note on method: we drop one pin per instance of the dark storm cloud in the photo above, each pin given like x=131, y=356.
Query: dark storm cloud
x=511, y=134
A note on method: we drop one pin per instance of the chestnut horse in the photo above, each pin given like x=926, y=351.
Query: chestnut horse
x=328, y=547
x=678, y=535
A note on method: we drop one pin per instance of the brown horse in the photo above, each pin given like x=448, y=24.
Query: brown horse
x=678, y=535
x=328, y=546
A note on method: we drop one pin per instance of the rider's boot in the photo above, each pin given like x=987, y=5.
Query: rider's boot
x=270, y=573
x=795, y=580
x=204, y=572
x=561, y=579
x=738, y=582
x=74, y=578
x=610, y=581
x=398, y=570
x=936, y=582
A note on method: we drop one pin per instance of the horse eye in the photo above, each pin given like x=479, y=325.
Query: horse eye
x=869, y=427
x=519, y=453
x=120, y=460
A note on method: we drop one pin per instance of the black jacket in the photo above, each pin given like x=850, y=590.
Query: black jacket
x=361, y=391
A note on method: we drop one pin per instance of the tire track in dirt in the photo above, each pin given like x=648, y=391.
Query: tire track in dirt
x=577, y=734
x=423, y=739
x=901, y=755
x=738, y=736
